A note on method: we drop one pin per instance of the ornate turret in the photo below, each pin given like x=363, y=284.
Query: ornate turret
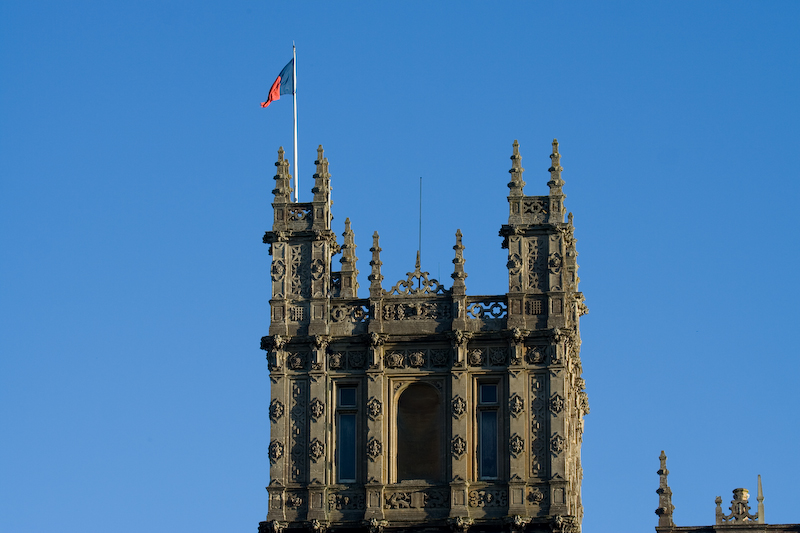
x=349, y=273
x=322, y=192
x=665, y=507
x=283, y=180
x=458, y=275
x=516, y=171
x=555, y=169
x=375, y=278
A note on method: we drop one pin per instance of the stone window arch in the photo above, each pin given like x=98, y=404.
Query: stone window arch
x=419, y=434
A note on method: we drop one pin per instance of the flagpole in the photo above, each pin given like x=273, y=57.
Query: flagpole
x=294, y=102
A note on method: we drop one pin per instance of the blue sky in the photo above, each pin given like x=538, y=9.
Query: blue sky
x=135, y=185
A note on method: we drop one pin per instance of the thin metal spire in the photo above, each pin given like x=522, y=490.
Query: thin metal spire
x=419, y=249
x=294, y=105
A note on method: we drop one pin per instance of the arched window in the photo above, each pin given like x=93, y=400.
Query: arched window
x=419, y=434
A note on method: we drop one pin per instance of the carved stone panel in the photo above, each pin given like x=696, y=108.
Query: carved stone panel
x=316, y=450
x=459, y=406
x=516, y=405
x=437, y=498
x=515, y=263
x=539, y=435
x=299, y=271
x=346, y=501
x=489, y=497
x=536, y=355
x=374, y=408
x=458, y=447
x=556, y=403
x=516, y=445
x=374, y=448
x=299, y=432
x=354, y=313
x=276, y=410
x=275, y=451
x=349, y=360
x=422, y=358
x=317, y=409
x=535, y=266
x=418, y=311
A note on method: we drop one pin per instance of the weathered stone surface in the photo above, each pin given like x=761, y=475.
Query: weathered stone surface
x=422, y=406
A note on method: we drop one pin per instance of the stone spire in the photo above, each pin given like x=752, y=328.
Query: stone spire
x=283, y=180
x=665, y=507
x=760, y=499
x=555, y=169
x=458, y=275
x=348, y=261
x=322, y=193
x=322, y=178
x=375, y=278
x=516, y=184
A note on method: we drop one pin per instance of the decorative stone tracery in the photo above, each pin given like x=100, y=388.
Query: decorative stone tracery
x=339, y=364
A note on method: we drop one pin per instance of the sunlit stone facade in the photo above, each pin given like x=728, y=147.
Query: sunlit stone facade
x=419, y=406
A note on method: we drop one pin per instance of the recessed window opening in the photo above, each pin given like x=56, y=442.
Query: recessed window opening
x=419, y=434
x=346, y=420
x=488, y=431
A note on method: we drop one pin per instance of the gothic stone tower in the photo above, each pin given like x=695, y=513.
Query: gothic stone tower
x=420, y=407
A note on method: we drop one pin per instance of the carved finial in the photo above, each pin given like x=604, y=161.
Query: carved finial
x=516, y=171
x=555, y=169
x=322, y=177
x=417, y=264
x=283, y=180
x=349, y=288
x=740, y=509
x=760, y=499
x=375, y=277
x=665, y=507
x=349, y=246
x=458, y=275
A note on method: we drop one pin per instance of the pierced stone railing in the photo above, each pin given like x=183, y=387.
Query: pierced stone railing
x=300, y=216
x=489, y=313
x=487, y=308
x=352, y=311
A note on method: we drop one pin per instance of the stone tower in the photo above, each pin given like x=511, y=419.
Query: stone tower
x=420, y=407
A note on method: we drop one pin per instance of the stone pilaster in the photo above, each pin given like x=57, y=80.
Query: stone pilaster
x=519, y=434
x=377, y=406
x=460, y=446
x=278, y=448
x=559, y=445
x=319, y=438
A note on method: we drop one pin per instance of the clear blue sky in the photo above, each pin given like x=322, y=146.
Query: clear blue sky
x=135, y=185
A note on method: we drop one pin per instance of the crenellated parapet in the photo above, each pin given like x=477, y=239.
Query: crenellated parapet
x=420, y=405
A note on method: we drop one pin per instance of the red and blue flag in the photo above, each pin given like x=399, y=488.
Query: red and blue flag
x=283, y=85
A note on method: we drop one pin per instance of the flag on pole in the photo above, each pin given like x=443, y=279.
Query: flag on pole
x=283, y=85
